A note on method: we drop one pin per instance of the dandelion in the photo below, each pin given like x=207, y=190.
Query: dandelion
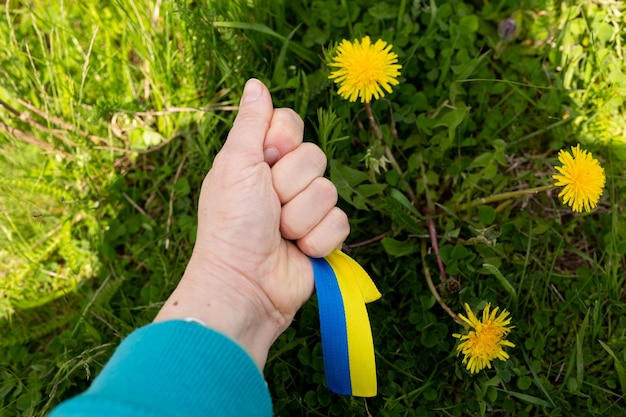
x=364, y=69
x=486, y=342
x=582, y=179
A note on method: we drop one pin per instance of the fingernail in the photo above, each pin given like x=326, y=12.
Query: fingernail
x=270, y=156
x=252, y=91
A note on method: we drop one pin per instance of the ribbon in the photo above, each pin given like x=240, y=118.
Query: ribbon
x=343, y=287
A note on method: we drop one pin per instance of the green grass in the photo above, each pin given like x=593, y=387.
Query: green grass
x=111, y=114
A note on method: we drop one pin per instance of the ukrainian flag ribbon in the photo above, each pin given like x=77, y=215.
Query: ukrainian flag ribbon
x=343, y=287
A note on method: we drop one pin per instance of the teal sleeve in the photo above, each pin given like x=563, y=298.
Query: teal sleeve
x=174, y=368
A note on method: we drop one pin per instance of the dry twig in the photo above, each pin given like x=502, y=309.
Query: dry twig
x=25, y=137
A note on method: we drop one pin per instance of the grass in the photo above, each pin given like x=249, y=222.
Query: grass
x=110, y=115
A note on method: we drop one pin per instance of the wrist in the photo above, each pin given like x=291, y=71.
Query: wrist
x=227, y=303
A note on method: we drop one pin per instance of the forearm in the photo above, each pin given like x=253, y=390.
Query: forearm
x=174, y=368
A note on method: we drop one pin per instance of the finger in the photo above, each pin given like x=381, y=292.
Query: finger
x=284, y=135
x=247, y=136
x=300, y=215
x=297, y=169
x=327, y=235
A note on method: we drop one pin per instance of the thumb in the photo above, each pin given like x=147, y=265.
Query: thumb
x=247, y=136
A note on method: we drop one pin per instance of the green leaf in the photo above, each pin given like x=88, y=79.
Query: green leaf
x=495, y=381
x=398, y=248
x=528, y=398
x=482, y=160
x=397, y=195
x=433, y=334
x=348, y=176
x=502, y=280
x=466, y=70
x=182, y=186
x=537, y=380
x=346, y=179
x=524, y=382
x=152, y=138
x=400, y=216
x=486, y=215
x=459, y=252
x=580, y=360
x=299, y=50
x=382, y=11
x=280, y=75
x=492, y=394
x=310, y=398
x=368, y=190
x=452, y=120
x=619, y=367
x=469, y=23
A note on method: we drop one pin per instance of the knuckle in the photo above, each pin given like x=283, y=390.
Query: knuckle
x=342, y=223
x=312, y=247
x=315, y=156
x=287, y=228
x=288, y=122
x=291, y=116
x=326, y=190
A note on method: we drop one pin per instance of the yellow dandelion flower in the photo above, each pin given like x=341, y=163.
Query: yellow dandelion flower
x=582, y=178
x=486, y=342
x=363, y=68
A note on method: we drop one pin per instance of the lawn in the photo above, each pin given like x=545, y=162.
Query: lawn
x=111, y=113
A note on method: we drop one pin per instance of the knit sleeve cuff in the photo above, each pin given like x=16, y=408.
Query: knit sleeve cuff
x=175, y=368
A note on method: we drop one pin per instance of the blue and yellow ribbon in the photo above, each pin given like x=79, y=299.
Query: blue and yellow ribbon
x=343, y=287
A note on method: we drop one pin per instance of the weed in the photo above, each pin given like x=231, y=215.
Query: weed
x=111, y=113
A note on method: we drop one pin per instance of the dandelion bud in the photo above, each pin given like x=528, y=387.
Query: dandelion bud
x=507, y=29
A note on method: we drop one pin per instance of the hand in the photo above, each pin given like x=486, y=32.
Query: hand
x=264, y=207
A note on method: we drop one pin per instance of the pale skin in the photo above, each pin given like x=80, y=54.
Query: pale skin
x=264, y=208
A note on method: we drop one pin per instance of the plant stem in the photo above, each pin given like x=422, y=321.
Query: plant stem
x=367, y=242
x=433, y=289
x=432, y=231
x=388, y=153
x=430, y=206
x=435, y=243
x=505, y=196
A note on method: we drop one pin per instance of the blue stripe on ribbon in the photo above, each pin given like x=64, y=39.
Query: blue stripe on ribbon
x=333, y=328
